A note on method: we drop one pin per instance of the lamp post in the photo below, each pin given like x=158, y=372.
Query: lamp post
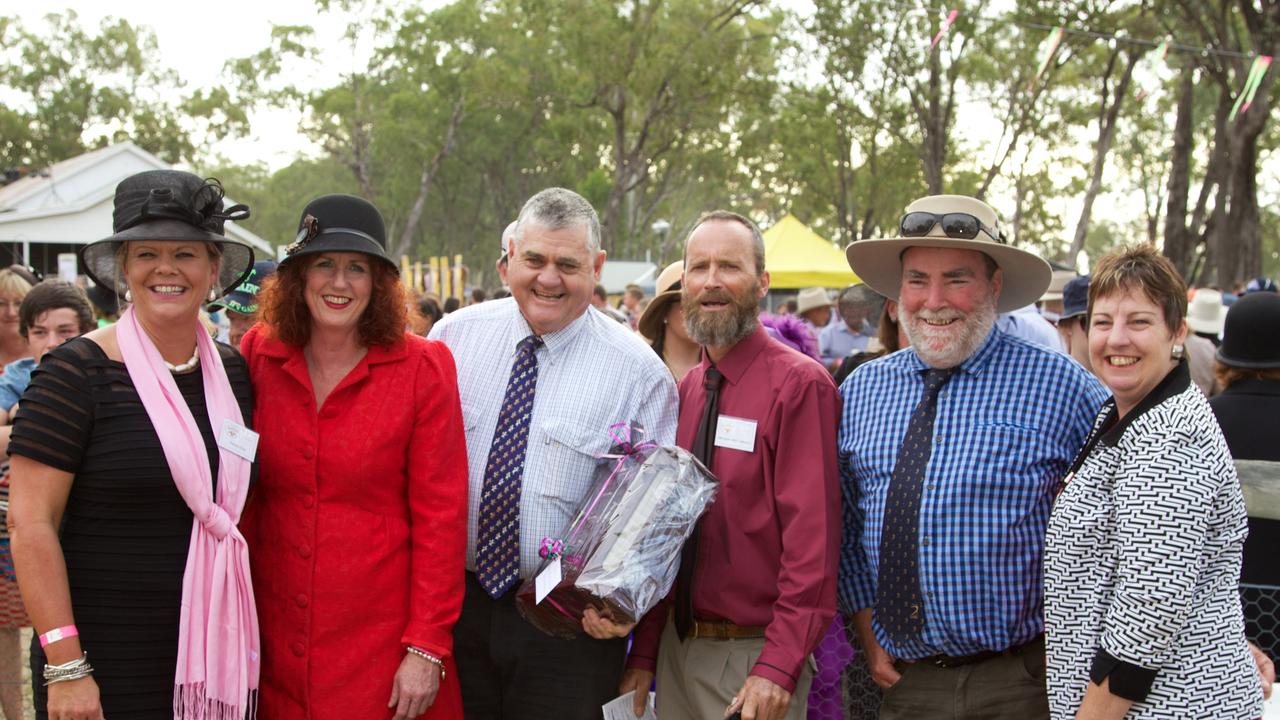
x=660, y=228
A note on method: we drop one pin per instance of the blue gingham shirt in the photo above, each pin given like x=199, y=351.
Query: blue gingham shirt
x=1008, y=425
x=591, y=374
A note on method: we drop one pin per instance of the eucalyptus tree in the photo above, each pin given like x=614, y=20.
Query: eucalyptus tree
x=69, y=89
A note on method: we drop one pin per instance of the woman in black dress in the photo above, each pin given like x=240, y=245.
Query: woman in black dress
x=100, y=530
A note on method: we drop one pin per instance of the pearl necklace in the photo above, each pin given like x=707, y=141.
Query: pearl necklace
x=188, y=365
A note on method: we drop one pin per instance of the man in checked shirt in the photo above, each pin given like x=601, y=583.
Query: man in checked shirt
x=950, y=453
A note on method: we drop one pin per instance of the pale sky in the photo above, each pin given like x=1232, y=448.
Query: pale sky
x=198, y=45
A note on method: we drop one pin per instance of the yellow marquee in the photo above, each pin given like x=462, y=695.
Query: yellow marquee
x=797, y=257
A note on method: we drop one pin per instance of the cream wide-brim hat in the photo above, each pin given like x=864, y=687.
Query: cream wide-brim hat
x=811, y=299
x=668, y=291
x=878, y=261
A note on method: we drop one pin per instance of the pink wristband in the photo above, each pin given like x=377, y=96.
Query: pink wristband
x=56, y=634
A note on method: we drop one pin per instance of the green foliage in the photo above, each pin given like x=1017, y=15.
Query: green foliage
x=276, y=199
x=71, y=89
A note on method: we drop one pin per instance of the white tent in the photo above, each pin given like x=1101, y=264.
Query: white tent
x=69, y=204
x=618, y=274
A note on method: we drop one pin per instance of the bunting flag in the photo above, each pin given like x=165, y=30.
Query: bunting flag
x=946, y=25
x=1050, y=50
x=1251, y=83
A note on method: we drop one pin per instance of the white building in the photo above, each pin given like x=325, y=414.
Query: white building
x=70, y=203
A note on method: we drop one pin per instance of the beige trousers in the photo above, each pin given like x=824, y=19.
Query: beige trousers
x=697, y=679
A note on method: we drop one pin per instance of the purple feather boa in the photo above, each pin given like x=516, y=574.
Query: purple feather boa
x=791, y=331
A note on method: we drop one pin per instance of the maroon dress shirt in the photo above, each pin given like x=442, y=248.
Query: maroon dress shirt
x=769, y=543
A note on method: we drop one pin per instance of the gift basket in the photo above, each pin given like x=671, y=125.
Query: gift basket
x=621, y=552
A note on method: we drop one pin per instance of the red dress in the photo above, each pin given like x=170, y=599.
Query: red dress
x=356, y=527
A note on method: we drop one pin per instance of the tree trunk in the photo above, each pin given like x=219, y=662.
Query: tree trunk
x=1106, y=135
x=934, y=147
x=429, y=172
x=1241, y=233
x=1177, y=241
x=361, y=145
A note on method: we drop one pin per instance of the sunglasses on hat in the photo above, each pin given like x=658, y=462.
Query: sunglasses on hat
x=958, y=225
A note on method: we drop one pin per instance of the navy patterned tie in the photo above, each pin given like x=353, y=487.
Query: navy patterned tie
x=498, y=534
x=899, y=605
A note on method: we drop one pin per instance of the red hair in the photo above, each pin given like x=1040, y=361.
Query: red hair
x=283, y=307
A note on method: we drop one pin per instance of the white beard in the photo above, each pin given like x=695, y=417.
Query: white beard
x=947, y=346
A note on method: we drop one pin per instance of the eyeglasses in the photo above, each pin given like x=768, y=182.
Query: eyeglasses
x=958, y=225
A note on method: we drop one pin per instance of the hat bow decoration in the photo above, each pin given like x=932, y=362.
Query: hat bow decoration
x=202, y=210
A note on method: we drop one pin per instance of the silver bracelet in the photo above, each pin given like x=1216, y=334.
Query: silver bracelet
x=68, y=671
x=428, y=657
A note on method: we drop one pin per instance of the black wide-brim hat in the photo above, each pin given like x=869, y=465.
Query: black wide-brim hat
x=1249, y=338
x=169, y=206
x=340, y=223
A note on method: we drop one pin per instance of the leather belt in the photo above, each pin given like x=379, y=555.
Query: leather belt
x=953, y=661
x=721, y=630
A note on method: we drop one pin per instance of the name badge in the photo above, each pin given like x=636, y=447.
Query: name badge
x=736, y=433
x=238, y=439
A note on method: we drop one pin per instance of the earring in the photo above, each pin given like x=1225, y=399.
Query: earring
x=1179, y=352
x=128, y=295
x=213, y=294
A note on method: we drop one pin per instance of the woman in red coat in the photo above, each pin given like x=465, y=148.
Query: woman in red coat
x=357, y=525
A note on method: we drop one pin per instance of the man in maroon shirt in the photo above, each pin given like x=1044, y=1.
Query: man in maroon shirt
x=761, y=591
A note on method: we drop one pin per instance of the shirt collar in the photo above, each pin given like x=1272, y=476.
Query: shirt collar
x=977, y=361
x=735, y=362
x=274, y=347
x=555, y=344
x=1175, y=383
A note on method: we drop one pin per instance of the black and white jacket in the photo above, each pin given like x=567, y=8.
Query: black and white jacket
x=1142, y=563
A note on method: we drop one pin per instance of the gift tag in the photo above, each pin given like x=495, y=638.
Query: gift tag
x=238, y=439
x=736, y=433
x=546, y=581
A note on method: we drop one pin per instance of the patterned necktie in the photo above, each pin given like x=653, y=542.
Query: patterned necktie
x=703, y=444
x=899, y=605
x=498, y=535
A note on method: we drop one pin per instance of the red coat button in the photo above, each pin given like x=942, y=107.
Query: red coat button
x=307, y=452
x=301, y=600
x=304, y=551
x=297, y=648
x=308, y=501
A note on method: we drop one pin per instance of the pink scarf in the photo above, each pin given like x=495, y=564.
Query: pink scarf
x=218, y=650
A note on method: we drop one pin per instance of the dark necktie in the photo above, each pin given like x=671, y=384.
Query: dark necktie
x=703, y=443
x=498, y=534
x=899, y=605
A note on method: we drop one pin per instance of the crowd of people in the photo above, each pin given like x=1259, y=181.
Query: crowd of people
x=1009, y=511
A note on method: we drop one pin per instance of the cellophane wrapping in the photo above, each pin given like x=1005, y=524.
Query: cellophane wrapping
x=621, y=552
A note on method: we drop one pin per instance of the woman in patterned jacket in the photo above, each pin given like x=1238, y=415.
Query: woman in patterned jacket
x=1142, y=560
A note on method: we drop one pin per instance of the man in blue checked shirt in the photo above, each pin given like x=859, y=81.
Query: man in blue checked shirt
x=950, y=453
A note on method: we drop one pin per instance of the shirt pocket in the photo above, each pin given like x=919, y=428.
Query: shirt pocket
x=1011, y=463
x=571, y=451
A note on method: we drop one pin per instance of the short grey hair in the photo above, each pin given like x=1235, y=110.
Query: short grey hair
x=556, y=208
x=757, y=238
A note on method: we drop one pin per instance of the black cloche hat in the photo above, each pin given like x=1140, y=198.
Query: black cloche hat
x=1249, y=337
x=340, y=223
x=173, y=206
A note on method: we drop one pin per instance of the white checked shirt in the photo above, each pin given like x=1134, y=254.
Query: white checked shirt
x=591, y=374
